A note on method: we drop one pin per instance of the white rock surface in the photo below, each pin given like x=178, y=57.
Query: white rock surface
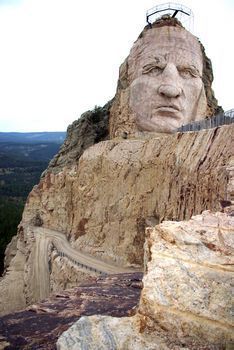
x=107, y=333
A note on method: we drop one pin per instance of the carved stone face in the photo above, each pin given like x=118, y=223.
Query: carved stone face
x=166, y=88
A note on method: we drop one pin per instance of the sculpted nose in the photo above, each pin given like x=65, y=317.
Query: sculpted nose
x=170, y=84
x=168, y=90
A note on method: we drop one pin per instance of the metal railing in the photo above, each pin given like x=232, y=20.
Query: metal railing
x=169, y=6
x=79, y=264
x=181, y=12
x=225, y=118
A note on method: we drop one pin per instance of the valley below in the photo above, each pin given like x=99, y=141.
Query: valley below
x=23, y=158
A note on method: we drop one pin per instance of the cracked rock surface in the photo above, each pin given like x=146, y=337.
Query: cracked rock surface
x=40, y=325
x=186, y=299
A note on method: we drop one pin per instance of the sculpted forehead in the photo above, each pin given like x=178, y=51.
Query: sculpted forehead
x=173, y=43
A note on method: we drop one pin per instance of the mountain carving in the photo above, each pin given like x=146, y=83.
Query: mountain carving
x=126, y=192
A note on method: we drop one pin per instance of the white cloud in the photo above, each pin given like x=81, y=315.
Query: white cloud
x=60, y=58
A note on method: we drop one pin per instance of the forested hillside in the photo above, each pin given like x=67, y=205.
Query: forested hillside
x=21, y=165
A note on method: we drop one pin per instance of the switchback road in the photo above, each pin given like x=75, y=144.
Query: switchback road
x=43, y=239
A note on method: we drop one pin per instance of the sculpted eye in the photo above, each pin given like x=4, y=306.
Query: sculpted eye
x=152, y=69
x=188, y=72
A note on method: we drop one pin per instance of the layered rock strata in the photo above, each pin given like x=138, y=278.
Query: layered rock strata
x=191, y=266
x=186, y=296
x=104, y=202
x=118, y=187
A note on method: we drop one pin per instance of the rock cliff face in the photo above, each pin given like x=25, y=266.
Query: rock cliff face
x=104, y=202
x=186, y=296
x=102, y=191
x=92, y=127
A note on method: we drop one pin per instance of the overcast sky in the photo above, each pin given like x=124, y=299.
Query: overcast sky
x=59, y=58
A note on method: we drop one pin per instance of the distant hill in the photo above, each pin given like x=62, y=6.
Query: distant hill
x=23, y=157
x=17, y=154
x=32, y=137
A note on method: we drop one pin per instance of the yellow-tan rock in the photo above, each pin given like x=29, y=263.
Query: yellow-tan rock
x=187, y=286
x=186, y=301
x=104, y=202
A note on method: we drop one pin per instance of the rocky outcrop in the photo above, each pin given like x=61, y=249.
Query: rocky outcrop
x=104, y=202
x=92, y=127
x=102, y=195
x=185, y=301
x=117, y=188
x=186, y=296
x=191, y=266
x=107, y=333
x=12, y=283
x=40, y=325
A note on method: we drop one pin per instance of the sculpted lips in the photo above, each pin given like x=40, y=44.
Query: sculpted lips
x=172, y=109
x=172, y=106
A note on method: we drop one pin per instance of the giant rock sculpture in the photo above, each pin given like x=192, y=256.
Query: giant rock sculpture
x=103, y=201
x=164, y=83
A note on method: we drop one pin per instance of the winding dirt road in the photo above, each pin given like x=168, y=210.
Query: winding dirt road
x=43, y=238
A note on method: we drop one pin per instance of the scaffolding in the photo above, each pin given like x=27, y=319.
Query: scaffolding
x=181, y=12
